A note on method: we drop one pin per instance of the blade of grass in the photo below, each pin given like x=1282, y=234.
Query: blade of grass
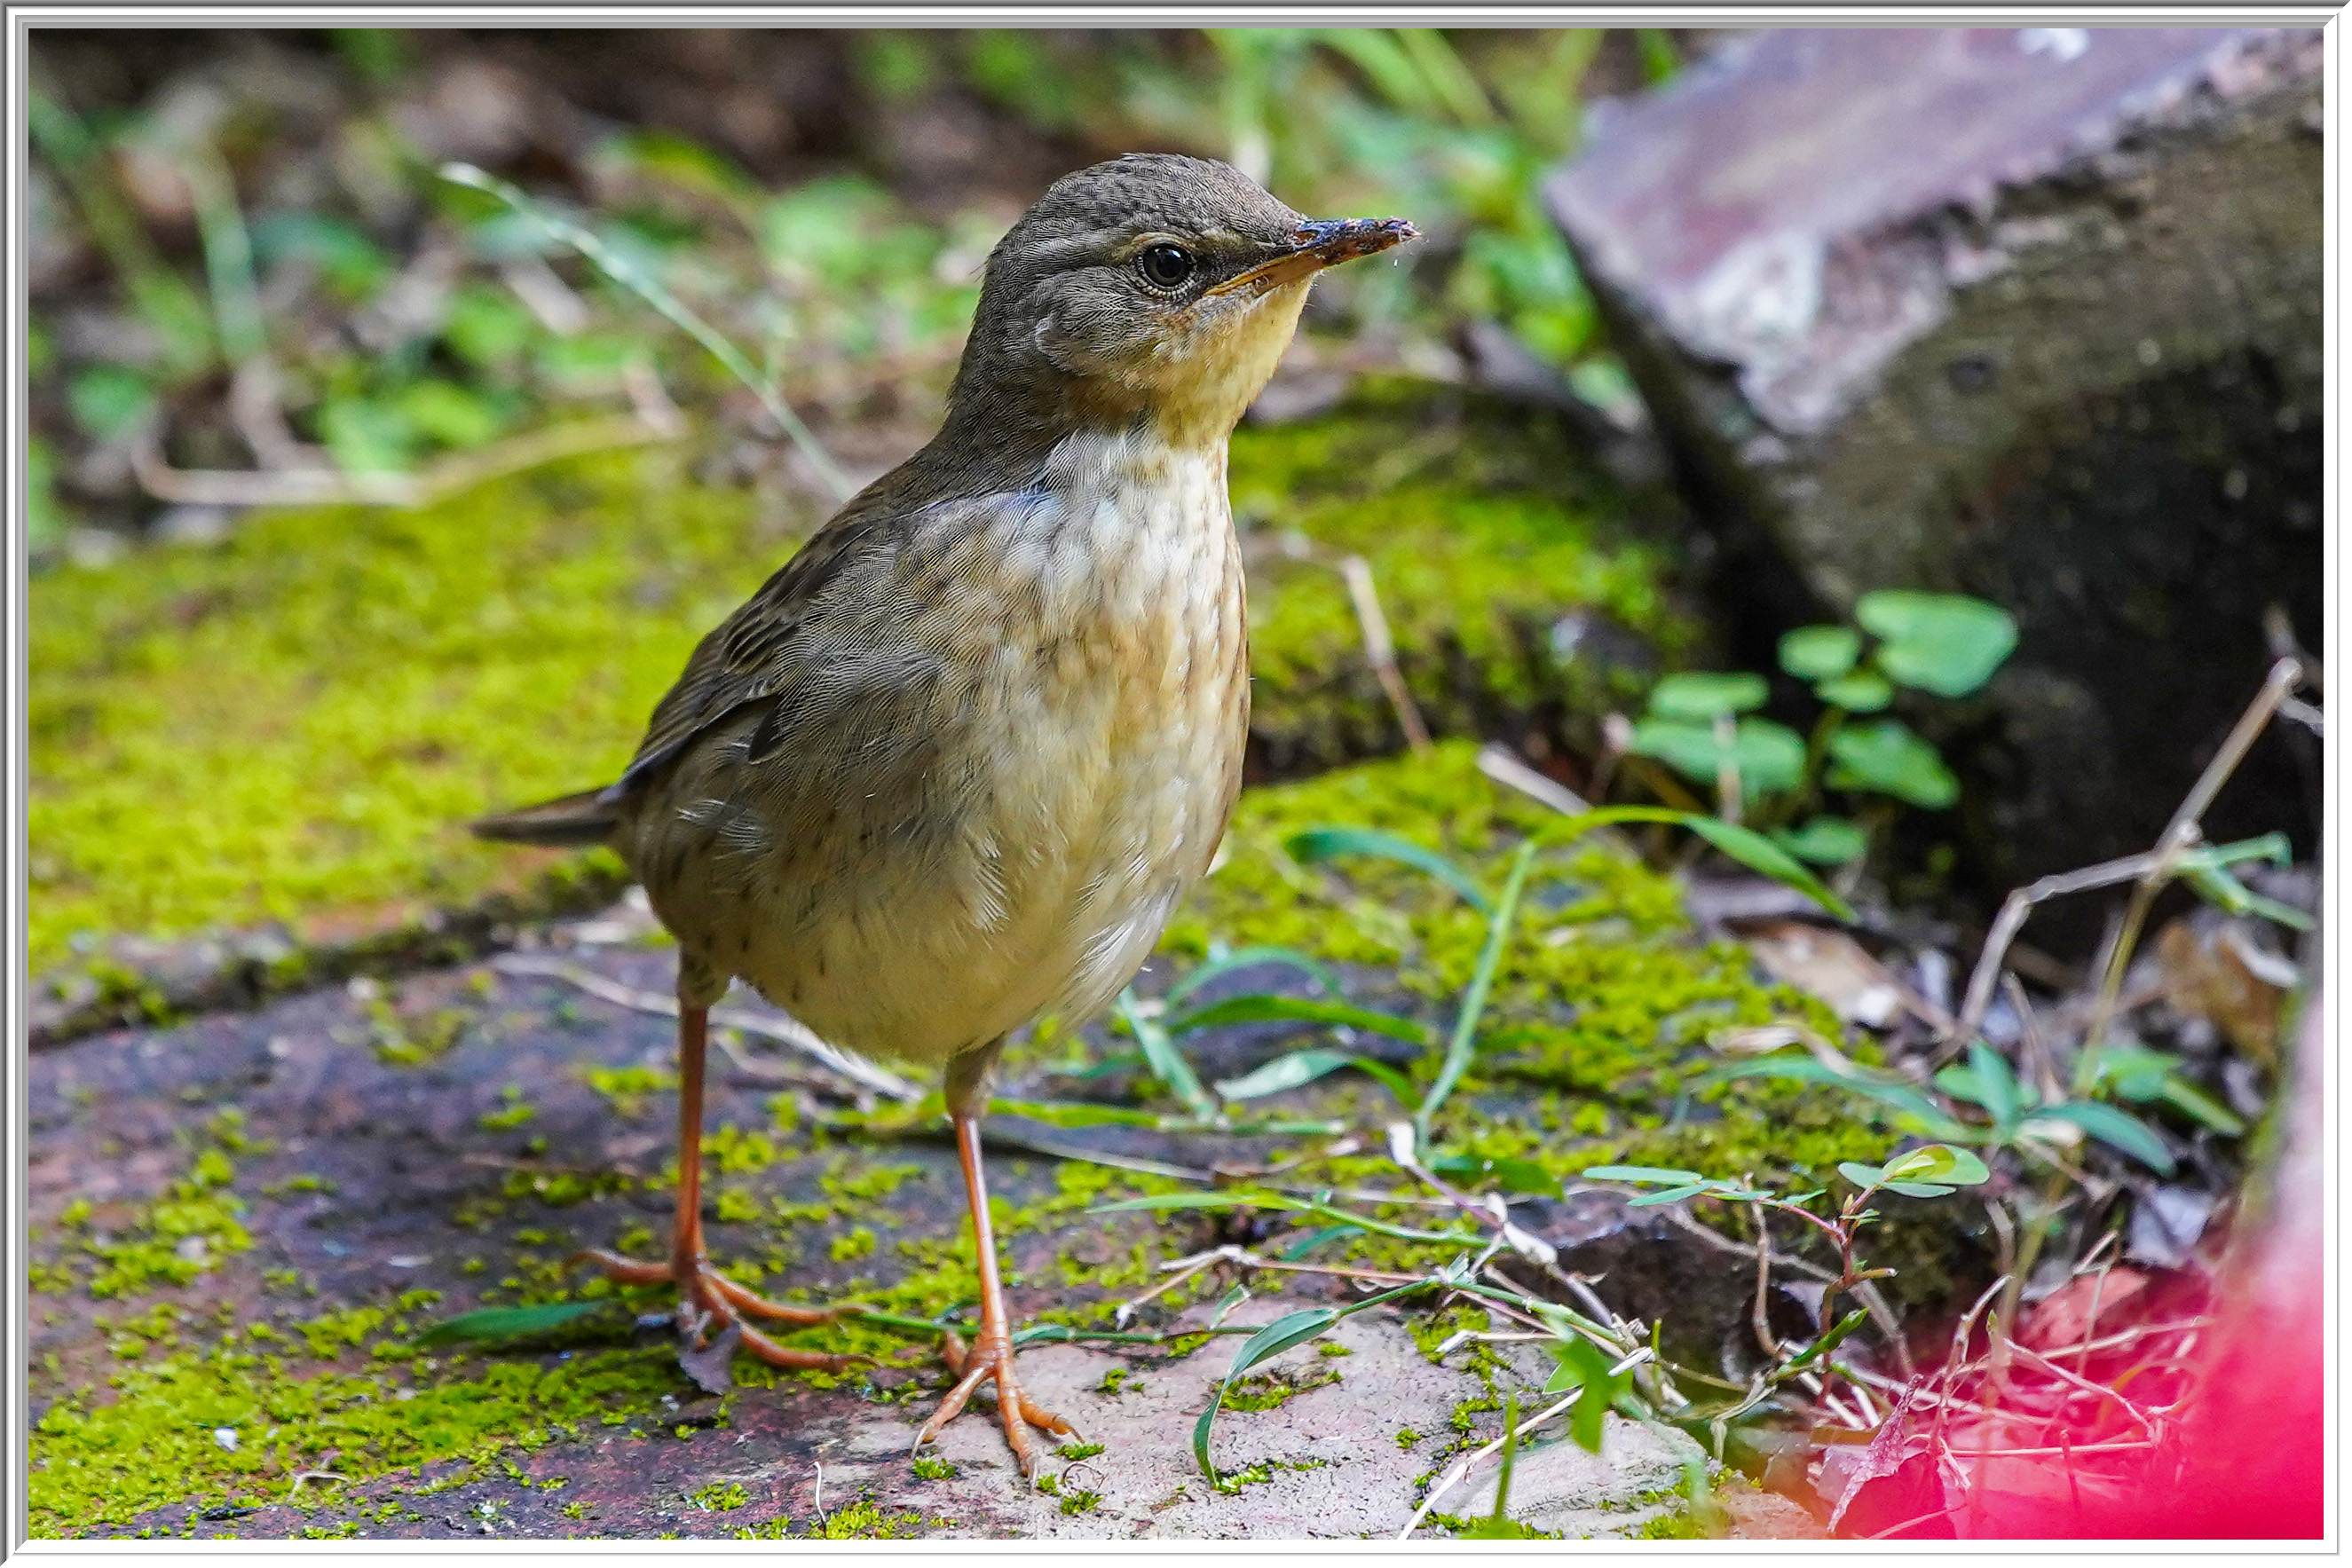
x=1750, y=848
x=672, y=309
x=1463, y=1046
x=1168, y=1063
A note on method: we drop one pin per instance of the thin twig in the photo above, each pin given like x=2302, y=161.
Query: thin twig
x=1380, y=649
x=783, y=1030
x=2180, y=835
x=436, y=482
x=1463, y=1468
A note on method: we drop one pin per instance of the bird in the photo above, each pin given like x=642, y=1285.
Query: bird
x=952, y=768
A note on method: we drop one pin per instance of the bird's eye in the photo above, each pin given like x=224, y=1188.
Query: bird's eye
x=1165, y=266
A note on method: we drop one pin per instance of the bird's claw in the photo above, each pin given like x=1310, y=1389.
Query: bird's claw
x=710, y=1304
x=1014, y=1408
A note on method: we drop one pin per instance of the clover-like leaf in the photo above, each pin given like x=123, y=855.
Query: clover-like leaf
x=1948, y=643
x=1703, y=694
x=1861, y=692
x=1888, y=759
x=1820, y=653
x=1769, y=757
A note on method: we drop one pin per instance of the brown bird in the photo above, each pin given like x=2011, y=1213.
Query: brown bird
x=951, y=769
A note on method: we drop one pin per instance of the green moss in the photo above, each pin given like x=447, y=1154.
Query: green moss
x=720, y=1497
x=627, y=1089
x=146, y=1439
x=865, y=1520
x=1272, y=1390
x=299, y=723
x=1600, y=1013
x=1480, y=539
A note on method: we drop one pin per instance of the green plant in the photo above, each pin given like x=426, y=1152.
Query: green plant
x=1704, y=725
x=1934, y=1170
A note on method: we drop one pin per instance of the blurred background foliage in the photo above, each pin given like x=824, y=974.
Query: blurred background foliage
x=243, y=257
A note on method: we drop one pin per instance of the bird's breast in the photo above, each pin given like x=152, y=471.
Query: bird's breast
x=1005, y=777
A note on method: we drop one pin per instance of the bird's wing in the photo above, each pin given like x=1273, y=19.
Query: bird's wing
x=846, y=590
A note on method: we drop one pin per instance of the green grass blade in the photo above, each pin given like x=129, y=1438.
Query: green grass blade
x=492, y=1324
x=1319, y=845
x=1463, y=1046
x=672, y=309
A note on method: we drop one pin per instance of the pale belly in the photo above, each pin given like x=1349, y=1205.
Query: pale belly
x=1004, y=836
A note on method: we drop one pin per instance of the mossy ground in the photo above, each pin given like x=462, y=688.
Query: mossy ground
x=1596, y=1025
x=295, y=726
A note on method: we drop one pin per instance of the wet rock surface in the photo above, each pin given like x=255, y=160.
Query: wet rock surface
x=376, y=1151
x=2029, y=313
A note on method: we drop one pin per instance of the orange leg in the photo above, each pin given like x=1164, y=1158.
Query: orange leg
x=708, y=1300
x=990, y=1355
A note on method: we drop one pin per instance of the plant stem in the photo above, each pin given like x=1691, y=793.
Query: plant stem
x=1462, y=1047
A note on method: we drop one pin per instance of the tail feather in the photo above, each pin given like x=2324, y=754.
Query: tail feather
x=568, y=822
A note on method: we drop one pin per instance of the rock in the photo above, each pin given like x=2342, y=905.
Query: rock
x=1559, y=1487
x=2032, y=314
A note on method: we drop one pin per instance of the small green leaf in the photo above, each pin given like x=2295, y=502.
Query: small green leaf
x=2220, y=888
x=1284, y=1073
x=1860, y=1174
x=1702, y=696
x=1997, y=1085
x=1825, y=840
x=1319, y=845
x=1946, y=643
x=1919, y=1189
x=107, y=400
x=1759, y=853
x=1827, y=1343
x=365, y=437
x=1167, y=1062
x=1586, y=1367
x=1861, y=692
x=1769, y=757
x=1888, y=759
x=453, y=415
x=1820, y=653
x=2116, y=1129
x=2194, y=1103
x=1651, y=1174
x=490, y=1324
x=1672, y=1194
x=1390, y=1079
x=1938, y=1162
x=1268, y=1008
x=1514, y=1176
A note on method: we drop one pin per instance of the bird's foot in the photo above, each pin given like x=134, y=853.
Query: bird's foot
x=710, y=1327
x=994, y=1357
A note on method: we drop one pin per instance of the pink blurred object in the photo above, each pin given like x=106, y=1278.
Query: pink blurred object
x=2244, y=1458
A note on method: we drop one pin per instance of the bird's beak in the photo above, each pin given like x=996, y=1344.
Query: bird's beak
x=1316, y=246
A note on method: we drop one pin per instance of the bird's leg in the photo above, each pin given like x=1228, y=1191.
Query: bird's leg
x=990, y=1355
x=708, y=1299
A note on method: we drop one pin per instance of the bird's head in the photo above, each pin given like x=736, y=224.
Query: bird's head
x=1150, y=290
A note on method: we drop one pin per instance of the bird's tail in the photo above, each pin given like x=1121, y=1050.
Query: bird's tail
x=568, y=822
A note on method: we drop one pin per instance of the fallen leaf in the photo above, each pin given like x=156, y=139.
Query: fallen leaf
x=2204, y=957
x=2060, y=1319
x=1830, y=965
